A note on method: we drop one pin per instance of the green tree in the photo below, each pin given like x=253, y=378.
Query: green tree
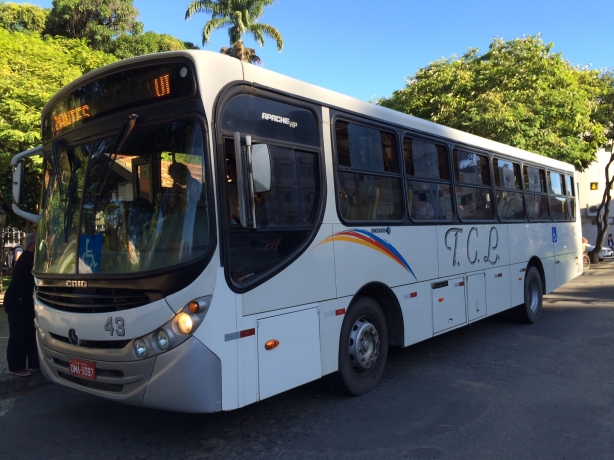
x=126, y=46
x=22, y=17
x=32, y=70
x=241, y=18
x=99, y=21
x=519, y=93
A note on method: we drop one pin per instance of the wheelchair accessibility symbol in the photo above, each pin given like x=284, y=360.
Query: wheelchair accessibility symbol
x=90, y=248
x=554, y=238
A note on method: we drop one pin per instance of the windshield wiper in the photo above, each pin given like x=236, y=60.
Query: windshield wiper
x=105, y=169
x=55, y=166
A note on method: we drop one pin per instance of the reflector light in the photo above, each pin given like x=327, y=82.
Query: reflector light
x=271, y=344
x=247, y=332
x=441, y=299
x=462, y=283
x=193, y=307
x=413, y=294
x=341, y=311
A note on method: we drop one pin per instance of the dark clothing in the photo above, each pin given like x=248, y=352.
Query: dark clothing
x=611, y=243
x=19, y=306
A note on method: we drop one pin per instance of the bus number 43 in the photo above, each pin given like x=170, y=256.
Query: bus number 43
x=119, y=326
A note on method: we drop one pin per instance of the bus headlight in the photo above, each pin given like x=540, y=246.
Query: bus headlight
x=162, y=340
x=140, y=348
x=184, y=323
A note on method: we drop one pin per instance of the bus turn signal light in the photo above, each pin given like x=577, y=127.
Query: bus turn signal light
x=271, y=344
x=193, y=307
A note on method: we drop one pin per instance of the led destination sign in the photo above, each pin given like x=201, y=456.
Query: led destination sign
x=120, y=91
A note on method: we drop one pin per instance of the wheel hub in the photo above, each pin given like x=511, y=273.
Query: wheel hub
x=364, y=345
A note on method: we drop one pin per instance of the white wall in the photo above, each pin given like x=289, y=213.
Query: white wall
x=587, y=197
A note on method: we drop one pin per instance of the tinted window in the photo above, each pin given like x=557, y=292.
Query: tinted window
x=556, y=183
x=570, y=186
x=507, y=174
x=510, y=205
x=429, y=201
x=364, y=148
x=537, y=207
x=471, y=168
x=425, y=160
x=369, y=185
x=534, y=179
x=474, y=203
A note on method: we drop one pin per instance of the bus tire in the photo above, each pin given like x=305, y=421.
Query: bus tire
x=531, y=310
x=363, y=347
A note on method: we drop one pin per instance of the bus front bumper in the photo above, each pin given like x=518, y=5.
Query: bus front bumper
x=187, y=378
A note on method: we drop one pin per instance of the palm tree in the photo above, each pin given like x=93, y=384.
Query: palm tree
x=239, y=51
x=241, y=18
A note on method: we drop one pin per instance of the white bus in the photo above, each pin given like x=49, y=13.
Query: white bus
x=212, y=233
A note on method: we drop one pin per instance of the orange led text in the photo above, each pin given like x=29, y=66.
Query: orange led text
x=69, y=118
x=163, y=86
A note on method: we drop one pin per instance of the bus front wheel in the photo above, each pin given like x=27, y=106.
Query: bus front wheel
x=363, y=346
x=531, y=310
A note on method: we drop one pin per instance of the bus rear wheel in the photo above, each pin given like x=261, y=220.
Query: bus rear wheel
x=531, y=310
x=363, y=346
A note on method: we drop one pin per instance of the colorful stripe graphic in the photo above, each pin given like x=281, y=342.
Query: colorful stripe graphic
x=368, y=239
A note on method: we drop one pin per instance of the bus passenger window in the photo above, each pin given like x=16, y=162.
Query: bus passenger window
x=474, y=202
x=508, y=181
x=369, y=186
x=428, y=187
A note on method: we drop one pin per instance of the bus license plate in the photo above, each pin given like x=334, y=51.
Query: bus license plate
x=82, y=369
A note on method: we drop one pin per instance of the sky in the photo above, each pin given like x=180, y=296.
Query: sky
x=366, y=49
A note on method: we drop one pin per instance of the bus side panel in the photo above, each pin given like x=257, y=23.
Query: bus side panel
x=221, y=319
x=528, y=240
x=498, y=295
x=295, y=358
x=548, y=265
x=564, y=237
x=247, y=358
x=565, y=268
x=332, y=313
x=417, y=307
x=309, y=279
x=517, y=275
x=403, y=256
x=468, y=248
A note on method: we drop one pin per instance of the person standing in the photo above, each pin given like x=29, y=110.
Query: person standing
x=610, y=242
x=19, y=305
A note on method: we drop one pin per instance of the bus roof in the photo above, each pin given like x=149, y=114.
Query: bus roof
x=229, y=69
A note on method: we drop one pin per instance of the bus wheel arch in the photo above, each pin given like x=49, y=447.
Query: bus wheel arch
x=389, y=304
x=537, y=263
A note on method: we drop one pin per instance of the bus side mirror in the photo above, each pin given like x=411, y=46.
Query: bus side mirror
x=18, y=177
x=261, y=168
x=18, y=182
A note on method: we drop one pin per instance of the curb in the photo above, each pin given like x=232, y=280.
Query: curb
x=10, y=384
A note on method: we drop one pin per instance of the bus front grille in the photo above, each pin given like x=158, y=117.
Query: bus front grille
x=94, y=300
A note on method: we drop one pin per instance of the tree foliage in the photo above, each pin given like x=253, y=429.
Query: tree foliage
x=519, y=93
x=241, y=17
x=32, y=70
x=99, y=21
x=126, y=46
x=22, y=17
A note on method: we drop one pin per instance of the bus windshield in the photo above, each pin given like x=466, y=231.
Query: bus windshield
x=139, y=209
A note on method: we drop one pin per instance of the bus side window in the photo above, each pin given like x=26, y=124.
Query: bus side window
x=474, y=201
x=429, y=194
x=508, y=182
x=367, y=173
x=535, y=193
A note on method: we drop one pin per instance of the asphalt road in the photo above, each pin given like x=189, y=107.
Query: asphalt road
x=493, y=390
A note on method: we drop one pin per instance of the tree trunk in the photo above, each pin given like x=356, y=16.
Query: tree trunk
x=603, y=213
